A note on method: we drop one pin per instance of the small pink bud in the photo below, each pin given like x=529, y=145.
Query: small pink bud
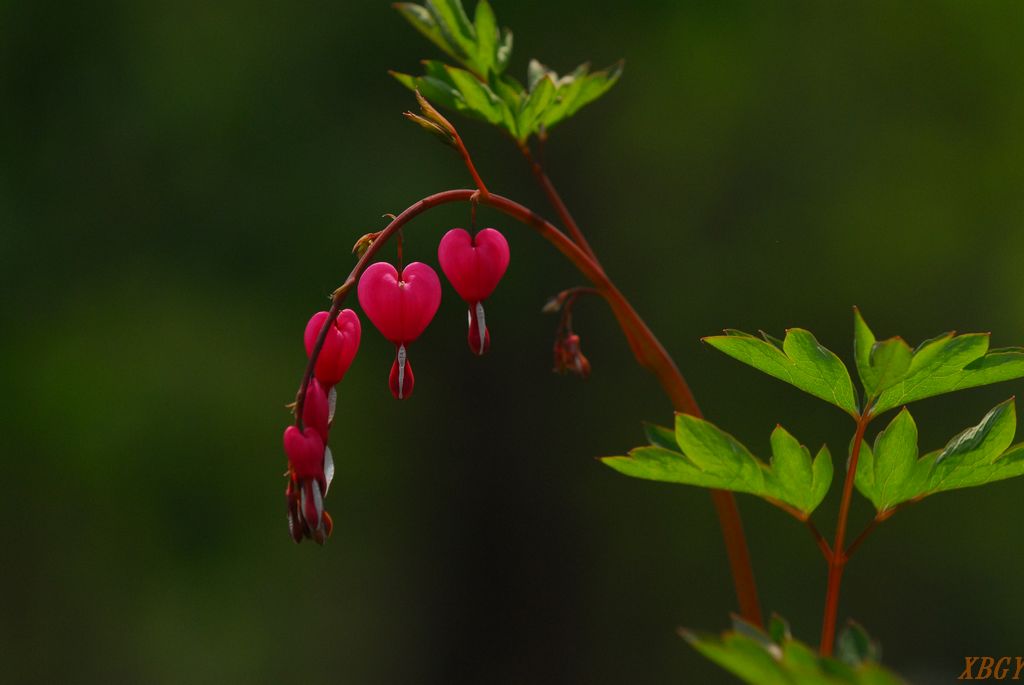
x=474, y=265
x=340, y=345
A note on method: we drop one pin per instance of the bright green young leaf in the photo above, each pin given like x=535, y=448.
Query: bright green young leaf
x=487, y=37
x=855, y=647
x=940, y=365
x=765, y=660
x=891, y=473
x=533, y=108
x=701, y=454
x=880, y=364
x=801, y=361
x=423, y=21
x=594, y=86
x=454, y=24
x=484, y=51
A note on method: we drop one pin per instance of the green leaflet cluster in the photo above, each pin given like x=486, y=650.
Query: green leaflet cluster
x=699, y=453
x=775, y=658
x=891, y=472
x=480, y=88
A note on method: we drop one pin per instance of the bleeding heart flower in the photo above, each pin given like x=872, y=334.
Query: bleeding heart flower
x=474, y=265
x=310, y=471
x=401, y=307
x=340, y=345
x=316, y=409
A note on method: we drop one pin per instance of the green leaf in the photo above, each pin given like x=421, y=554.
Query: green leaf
x=701, y=454
x=764, y=661
x=880, y=364
x=660, y=436
x=540, y=97
x=891, y=473
x=509, y=90
x=948, y=363
x=535, y=71
x=454, y=25
x=504, y=53
x=855, y=647
x=979, y=454
x=423, y=21
x=479, y=98
x=802, y=362
x=487, y=38
x=595, y=85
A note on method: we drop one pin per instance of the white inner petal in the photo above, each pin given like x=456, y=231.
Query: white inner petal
x=328, y=468
x=401, y=370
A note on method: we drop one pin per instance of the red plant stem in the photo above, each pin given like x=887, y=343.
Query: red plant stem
x=556, y=201
x=820, y=539
x=859, y=540
x=838, y=559
x=647, y=349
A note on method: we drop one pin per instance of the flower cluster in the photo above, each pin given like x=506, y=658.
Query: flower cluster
x=401, y=303
x=310, y=463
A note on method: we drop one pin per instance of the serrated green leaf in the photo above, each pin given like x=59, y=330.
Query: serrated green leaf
x=802, y=362
x=569, y=87
x=660, y=436
x=478, y=96
x=978, y=455
x=454, y=24
x=948, y=363
x=509, y=90
x=701, y=454
x=486, y=37
x=880, y=364
x=540, y=97
x=423, y=21
x=790, y=662
x=595, y=85
x=891, y=473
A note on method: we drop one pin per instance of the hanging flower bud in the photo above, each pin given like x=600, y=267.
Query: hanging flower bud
x=340, y=345
x=474, y=265
x=568, y=356
x=401, y=307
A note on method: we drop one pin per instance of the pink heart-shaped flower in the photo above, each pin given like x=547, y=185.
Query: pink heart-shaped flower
x=305, y=452
x=473, y=264
x=400, y=306
x=340, y=345
x=316, y=409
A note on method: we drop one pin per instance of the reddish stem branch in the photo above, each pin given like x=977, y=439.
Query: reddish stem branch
x=859, y=540
x=823, y=545
x=556, y=201
x=837, y=562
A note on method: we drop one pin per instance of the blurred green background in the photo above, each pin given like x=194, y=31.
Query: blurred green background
x=180, y=187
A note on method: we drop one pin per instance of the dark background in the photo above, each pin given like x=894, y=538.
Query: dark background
x=180, y=187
